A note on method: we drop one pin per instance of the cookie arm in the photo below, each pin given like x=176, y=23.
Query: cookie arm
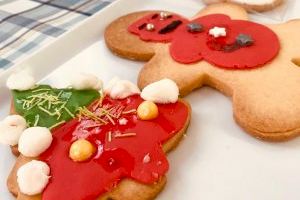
x=290, y=38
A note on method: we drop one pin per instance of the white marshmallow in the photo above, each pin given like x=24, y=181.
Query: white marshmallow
x=11, y=129
x=33, y=177
x=120, y=89
x=218, y=32
x=22, y=80
x=163, y=91
x=84, y=81
x=34, y=141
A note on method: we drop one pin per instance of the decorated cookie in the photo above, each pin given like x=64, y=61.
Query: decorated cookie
x=113, y=149
x=255, y=64
x=251, y=5
x=44, y=106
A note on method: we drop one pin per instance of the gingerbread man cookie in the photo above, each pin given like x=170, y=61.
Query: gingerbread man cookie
x=113, y=149
x=251, y=5
x=257, y=65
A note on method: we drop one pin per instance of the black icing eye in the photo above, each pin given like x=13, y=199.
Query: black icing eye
x=244, y=40
x=195, y=27
x=170, y=27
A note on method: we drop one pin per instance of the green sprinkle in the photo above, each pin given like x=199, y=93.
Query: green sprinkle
x=41, y=89
x=37, y=119
x=69, y=112
x=46, y=111
x=57, y=124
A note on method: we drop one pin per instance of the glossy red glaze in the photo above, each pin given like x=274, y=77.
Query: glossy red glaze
x=190, y=48
x=116, y=159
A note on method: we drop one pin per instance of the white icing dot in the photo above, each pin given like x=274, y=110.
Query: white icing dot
x=22, y=80
x=34, y=141
x=11, y=129
x=33, y=177
x=121, y=89
x=150, y=27
x=84, y=81
x=163, y=91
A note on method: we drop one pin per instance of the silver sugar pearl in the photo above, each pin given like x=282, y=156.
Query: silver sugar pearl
x=194, y=27
x=150, y=27
x=244, y=40
x=164, y=15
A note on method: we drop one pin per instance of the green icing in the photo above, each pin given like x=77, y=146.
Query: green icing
x=47, y=107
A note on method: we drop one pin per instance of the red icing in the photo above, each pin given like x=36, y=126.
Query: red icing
x=189, y=47
x=158, y=24
x=120, y=158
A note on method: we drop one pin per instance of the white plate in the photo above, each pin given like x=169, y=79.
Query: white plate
x=217, y=160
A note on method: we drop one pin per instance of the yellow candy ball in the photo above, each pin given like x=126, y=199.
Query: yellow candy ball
x=147, y=110
x=81, y=150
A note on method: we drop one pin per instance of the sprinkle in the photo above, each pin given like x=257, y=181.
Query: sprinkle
x=41, y=89
x=46, y=111
x=146, y=158
x=164, y=15
x=129, y=111
x=124, y=135
x=123, y=121
x=110, y=119
x=109, y=136
x=36, y=120
x=217, y=32
x=60, y=93
x=194, y=27
x=150, y=27
x=84, y=112
x=111, y=161
x=170, y=27
x=98, y=104
x=93, y=126
x=57, y=124
x=69, y=112
x=155, y=175
x=244, y=40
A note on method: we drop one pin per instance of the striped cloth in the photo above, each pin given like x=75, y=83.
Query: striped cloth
x=27, y=25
